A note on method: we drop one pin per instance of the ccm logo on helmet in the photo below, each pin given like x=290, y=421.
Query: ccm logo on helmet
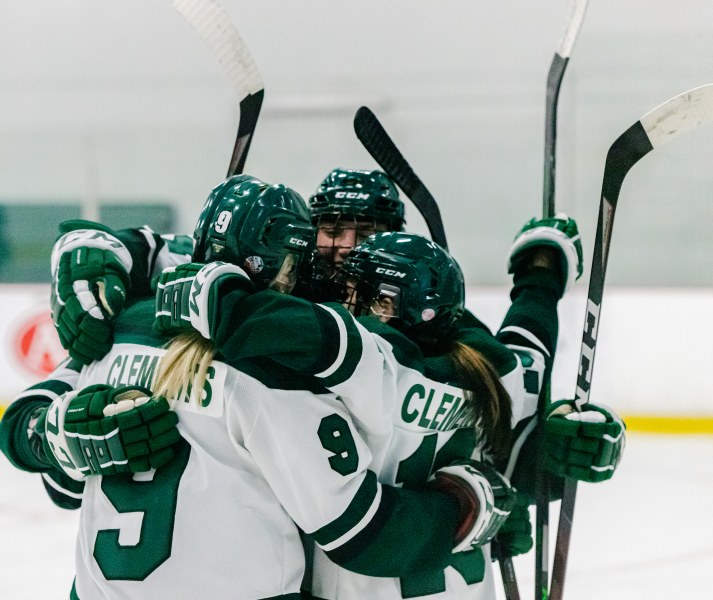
x=352, y=195
x=385, y=271
x=298, y=242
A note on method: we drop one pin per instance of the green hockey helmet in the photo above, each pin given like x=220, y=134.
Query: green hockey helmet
x=263, y=228
x=358, y=194
x=423, y=283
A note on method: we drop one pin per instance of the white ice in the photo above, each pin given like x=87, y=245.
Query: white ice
x=646, y=534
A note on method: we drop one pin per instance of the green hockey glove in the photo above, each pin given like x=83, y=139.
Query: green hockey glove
x=586, y=445
x=561, y=233
x=90, y=274
x=172, y=297
x=485, y=498
x=187, y=295
x=102, y=430
x=515, y=535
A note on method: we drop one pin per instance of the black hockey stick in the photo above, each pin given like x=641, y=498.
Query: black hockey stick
x=383, y=150
x=555, y=76
x=216, y=29
x=685, y=112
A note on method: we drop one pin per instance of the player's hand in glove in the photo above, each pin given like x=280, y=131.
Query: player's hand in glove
x=586, y=445
x=559, y=233
x=173, y=289
x=90, y=275
x=485, y=498
x=102, y=430
x=187, y=295
x=515, y=535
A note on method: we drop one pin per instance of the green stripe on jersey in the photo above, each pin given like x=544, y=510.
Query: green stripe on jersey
x=340, y=327
x=50, y=388
x=350, y=518
x=411, y=532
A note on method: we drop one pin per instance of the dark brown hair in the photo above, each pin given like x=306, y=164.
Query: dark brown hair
x=489, y=401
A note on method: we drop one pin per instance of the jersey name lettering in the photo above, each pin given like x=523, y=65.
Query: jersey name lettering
x=426, y=404
x=129, y=364
x=132, y=369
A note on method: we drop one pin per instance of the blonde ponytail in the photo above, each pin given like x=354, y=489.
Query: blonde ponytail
x=184, y=366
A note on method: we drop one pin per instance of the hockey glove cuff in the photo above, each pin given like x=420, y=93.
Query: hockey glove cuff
x=485, y=498
x=515, y=535
x=188, y=295
x=586, y=445
x=173, y=292
x=103, y=430
x=561, y=233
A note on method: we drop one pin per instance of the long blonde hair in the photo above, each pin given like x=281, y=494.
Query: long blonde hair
x=184, y=366
x=492, y=412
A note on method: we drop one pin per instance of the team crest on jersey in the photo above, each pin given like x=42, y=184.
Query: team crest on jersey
x=254, y=264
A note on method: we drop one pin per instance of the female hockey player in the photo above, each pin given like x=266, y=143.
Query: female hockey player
x=348, y=206
x=96, y=271
x=260, y=448
x=561, y=455
x=418, y=289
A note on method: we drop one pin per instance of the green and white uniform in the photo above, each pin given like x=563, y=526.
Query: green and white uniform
x=151, y=253
x=262, y=453
x=64, y=491
x=431, y=428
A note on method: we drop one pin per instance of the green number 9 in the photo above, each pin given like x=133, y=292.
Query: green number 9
x=335, y=435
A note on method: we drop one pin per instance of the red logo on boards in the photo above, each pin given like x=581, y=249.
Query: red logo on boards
x=38, y=346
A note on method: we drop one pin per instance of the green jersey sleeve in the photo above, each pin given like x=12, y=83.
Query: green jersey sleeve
x=24, y=449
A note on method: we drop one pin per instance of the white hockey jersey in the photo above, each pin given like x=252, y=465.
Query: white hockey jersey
x=260, y=459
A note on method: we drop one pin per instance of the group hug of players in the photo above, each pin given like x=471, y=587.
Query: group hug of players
x=295, y=403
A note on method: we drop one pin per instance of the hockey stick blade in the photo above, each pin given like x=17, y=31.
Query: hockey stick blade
x=682, y=113
x=555, y=76
x=215, y=28
x=383, y=150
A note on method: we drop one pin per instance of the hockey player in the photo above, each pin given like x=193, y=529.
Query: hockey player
x=414, y=285
x=349, y=206
x=258, y=450
x=558, y=459
x=97, y=271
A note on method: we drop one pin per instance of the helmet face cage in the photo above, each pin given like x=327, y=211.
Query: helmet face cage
x=338, y=233
x=423, y=283
x=261, y=228
x=348, y=207
x=362, y=195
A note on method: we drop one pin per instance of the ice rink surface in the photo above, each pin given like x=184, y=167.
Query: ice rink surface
x=646, y=534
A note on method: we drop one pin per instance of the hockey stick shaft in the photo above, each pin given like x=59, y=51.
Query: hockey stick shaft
x=555, y=76
x=215, y=28
x=554, y=81
x=682, y=113
x=383, y=150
